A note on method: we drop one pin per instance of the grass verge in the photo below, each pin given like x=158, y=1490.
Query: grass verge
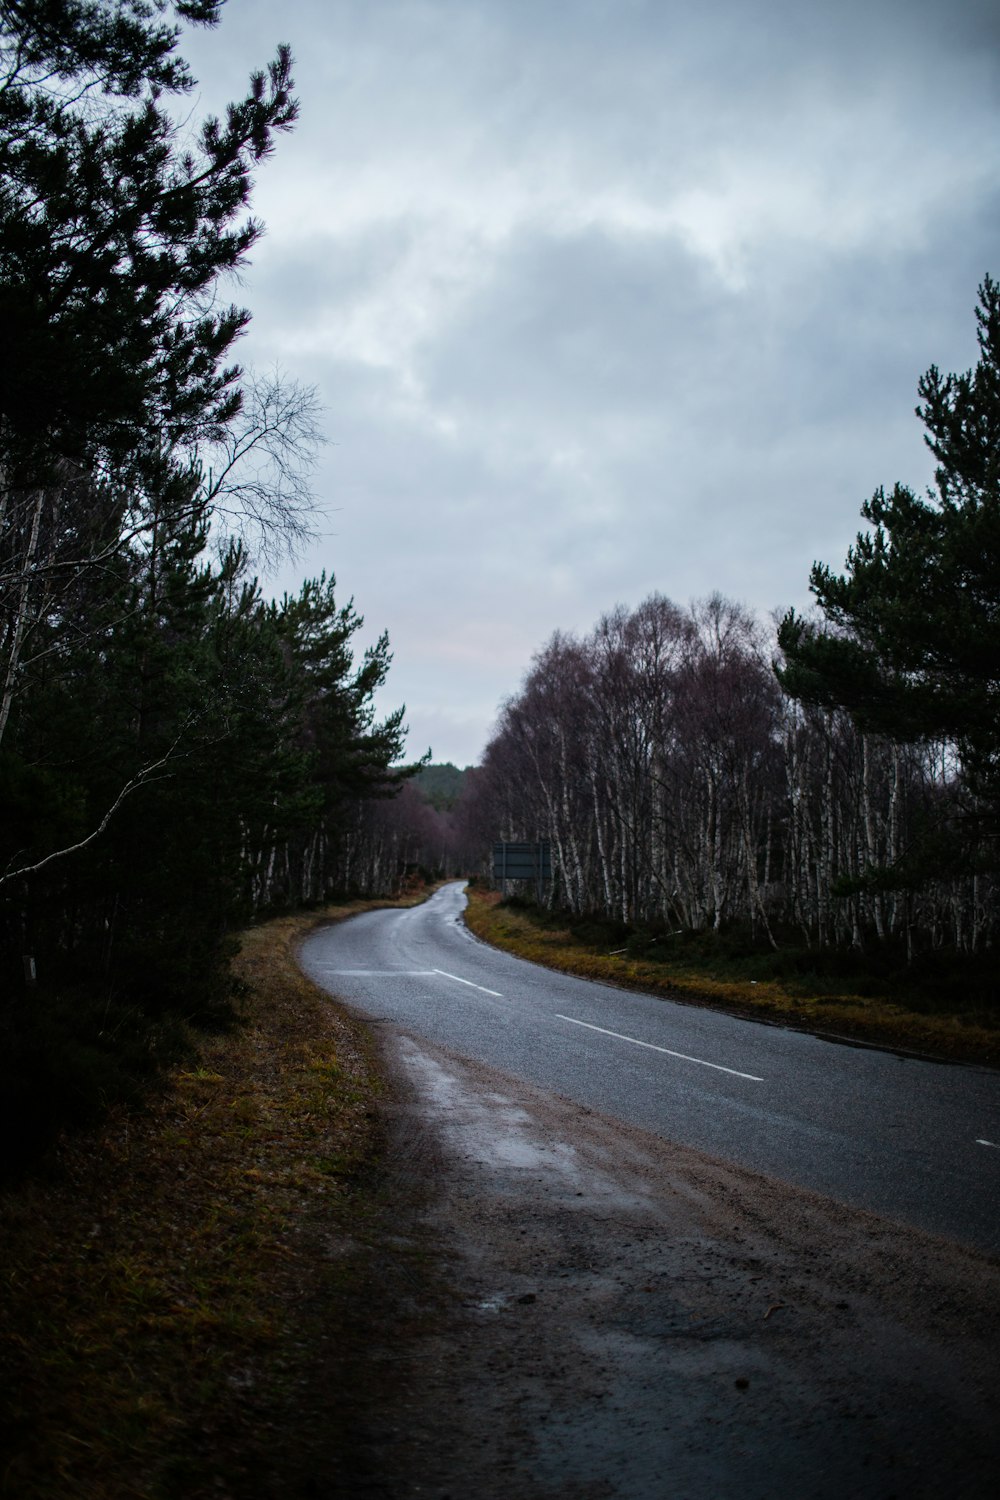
x=171, y=1282
x=720, y=979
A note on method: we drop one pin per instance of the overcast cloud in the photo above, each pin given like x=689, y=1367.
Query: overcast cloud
x=607, y=296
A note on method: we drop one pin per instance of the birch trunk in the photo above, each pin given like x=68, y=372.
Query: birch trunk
x=18, y=629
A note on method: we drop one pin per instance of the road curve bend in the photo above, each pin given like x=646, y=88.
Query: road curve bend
x=914, y=1141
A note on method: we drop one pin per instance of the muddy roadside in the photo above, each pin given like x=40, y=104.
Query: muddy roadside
x=567, y=1307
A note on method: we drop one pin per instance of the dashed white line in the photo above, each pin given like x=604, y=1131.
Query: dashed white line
x=404, y=974
x=994, y=1144
x=378, y=973
x=654, y=1048
x=444, y=973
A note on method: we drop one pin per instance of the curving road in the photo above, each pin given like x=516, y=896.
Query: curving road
x=912, y=1140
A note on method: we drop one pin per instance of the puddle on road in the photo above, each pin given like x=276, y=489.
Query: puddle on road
x=616, y=1335
x=493, y=1304
x=489, y=1132
x=486, y=1128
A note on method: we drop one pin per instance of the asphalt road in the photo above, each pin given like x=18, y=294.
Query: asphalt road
x=915, y=1141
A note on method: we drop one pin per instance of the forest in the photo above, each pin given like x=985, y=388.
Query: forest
x=179, y=754
x=831, y=781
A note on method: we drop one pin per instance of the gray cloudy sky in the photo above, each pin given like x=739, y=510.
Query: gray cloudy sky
x=607, y=296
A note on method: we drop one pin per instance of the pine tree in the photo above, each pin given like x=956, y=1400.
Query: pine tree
x=113, y=232
x=113, y=236
x=912, y=644
x=350, y=752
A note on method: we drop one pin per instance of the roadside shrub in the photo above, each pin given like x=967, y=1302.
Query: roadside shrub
x=69, y=1056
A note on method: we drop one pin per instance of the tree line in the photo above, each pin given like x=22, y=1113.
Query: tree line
x=178, y=753
x=833, y=780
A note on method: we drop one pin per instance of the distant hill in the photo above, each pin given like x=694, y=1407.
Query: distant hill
x=441, y=785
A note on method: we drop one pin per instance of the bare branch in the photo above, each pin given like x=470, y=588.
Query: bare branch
x=260, y=477
x=141, y=778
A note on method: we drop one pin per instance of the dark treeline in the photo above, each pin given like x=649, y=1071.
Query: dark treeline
x=680, y=786
x=834, y=784
x=442, y=785
x=393, y=841
x=177, y=753
x=432, y=829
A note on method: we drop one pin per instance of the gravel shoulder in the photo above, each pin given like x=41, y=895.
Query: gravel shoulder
x=566, y=1307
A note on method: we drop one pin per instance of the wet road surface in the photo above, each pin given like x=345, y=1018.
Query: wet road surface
x=604, y=1314
x=913, y=1140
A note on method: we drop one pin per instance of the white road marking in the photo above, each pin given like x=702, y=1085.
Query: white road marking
x=404, y=974
x=654, y=1048
x=377, y=973
x=446, y=975
x=994, y=1144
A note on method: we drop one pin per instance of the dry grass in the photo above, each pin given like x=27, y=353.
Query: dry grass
x=160, y=1278
x=878, y=1021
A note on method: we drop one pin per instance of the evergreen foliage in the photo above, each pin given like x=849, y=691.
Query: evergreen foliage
x=441, y=784
x=114, y=234
x=177, y=753
x=912, y=644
